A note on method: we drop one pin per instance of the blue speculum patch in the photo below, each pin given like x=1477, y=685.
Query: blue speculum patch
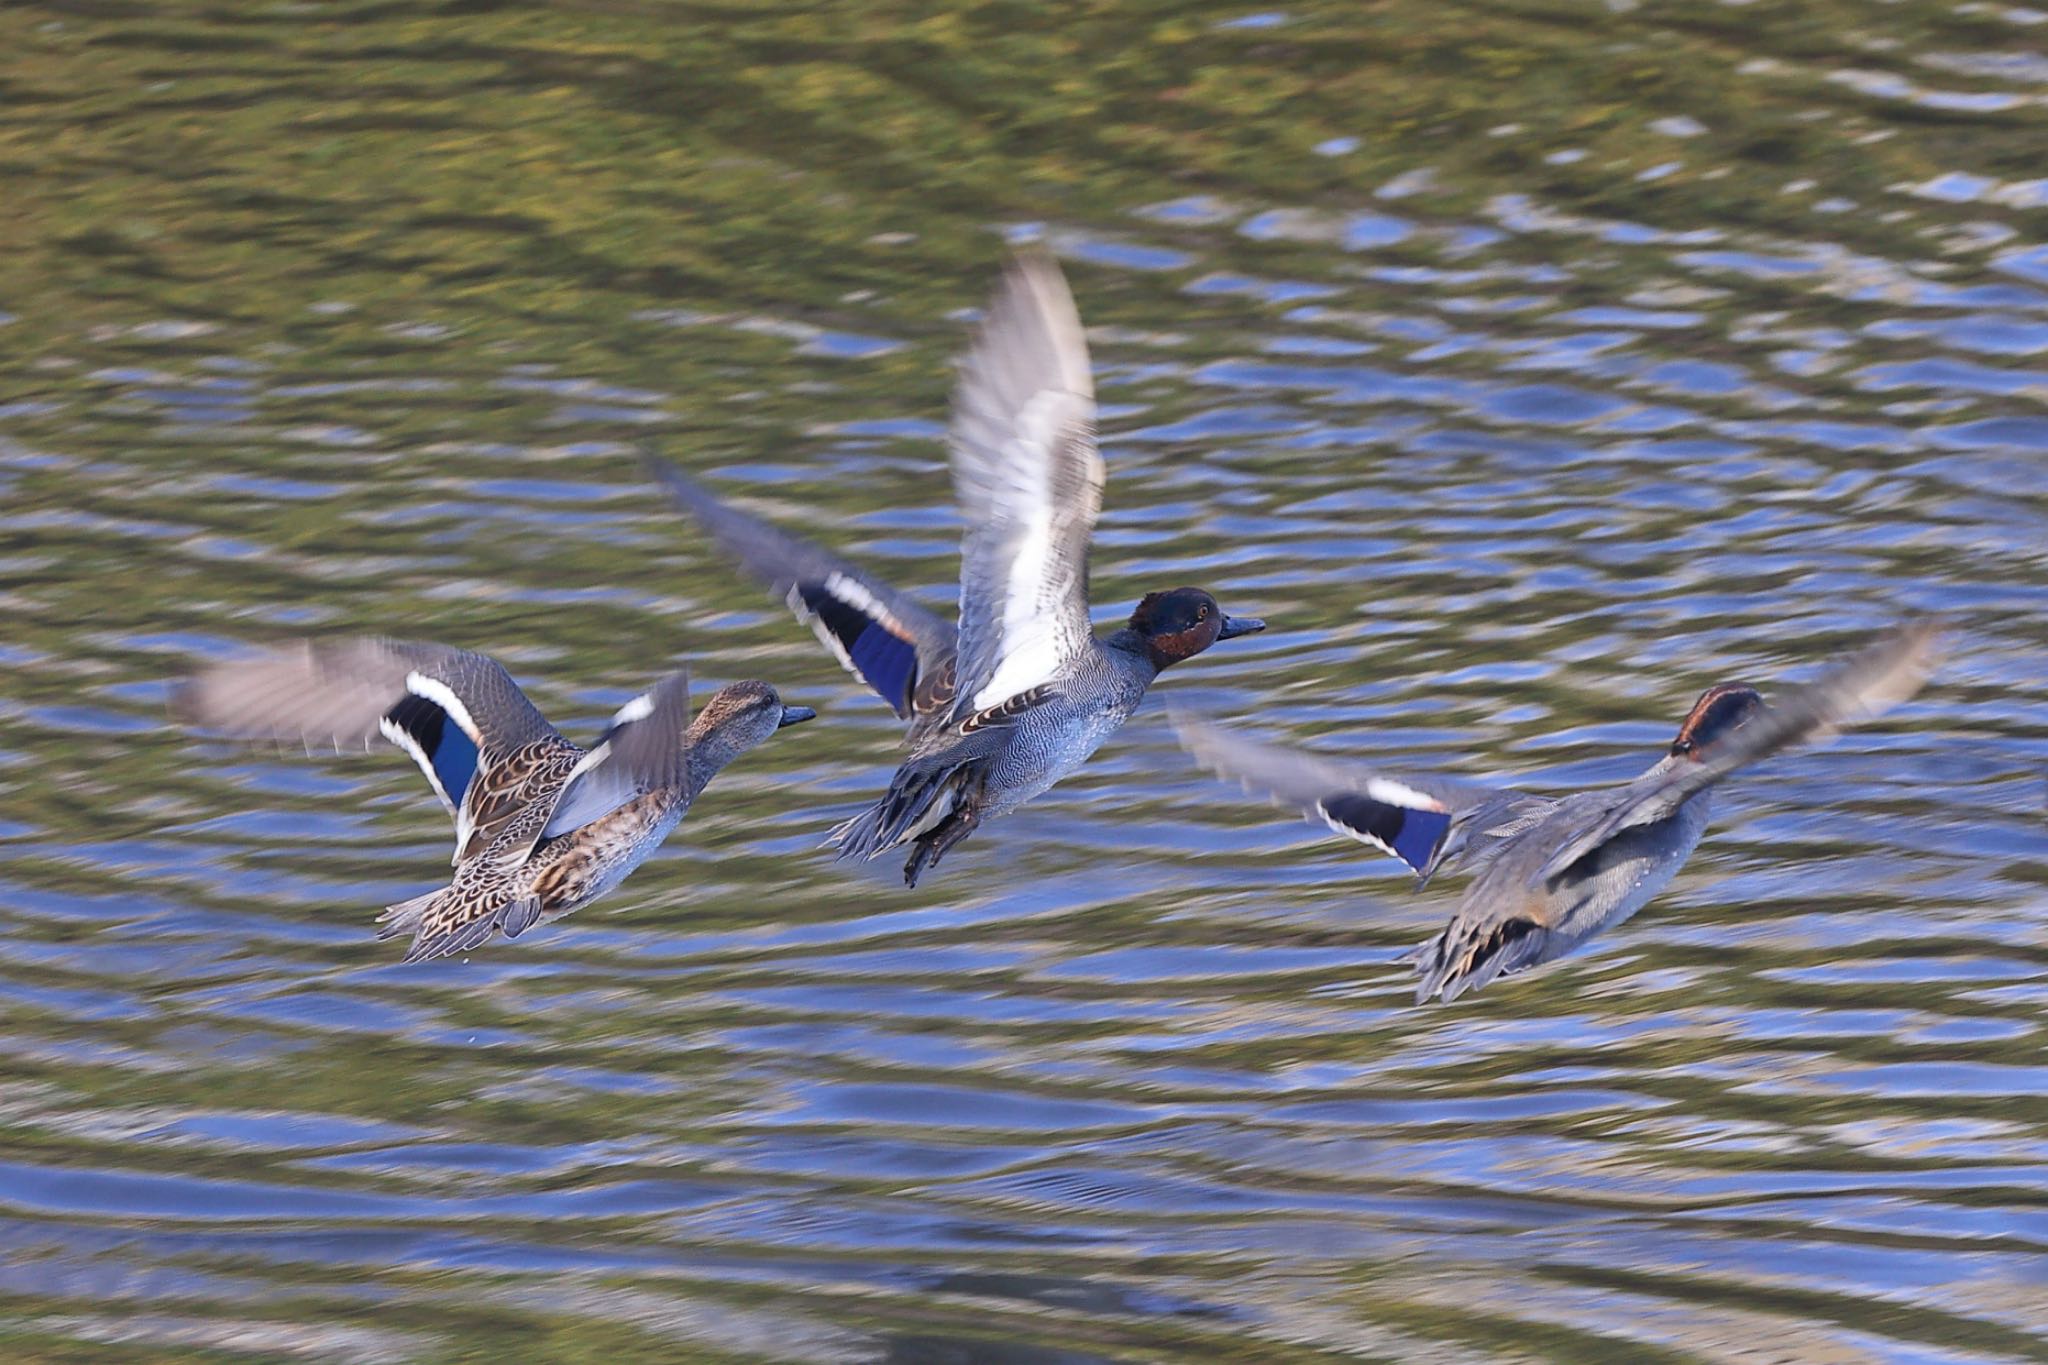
x=452, y=752
x=886, y=660
x=1412, y=834
x=455, y=762
x=1420, y=834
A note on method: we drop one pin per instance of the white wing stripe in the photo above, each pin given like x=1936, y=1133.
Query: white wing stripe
x=855, y=595
x=1395, y=794
x=640, y=708
x=443, y=696
x=397, y=735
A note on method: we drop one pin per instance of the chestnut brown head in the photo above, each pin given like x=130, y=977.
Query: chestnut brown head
x=1719, y=712
x=1183, y=622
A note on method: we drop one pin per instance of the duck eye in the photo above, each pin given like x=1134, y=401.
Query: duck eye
x=1202, y=612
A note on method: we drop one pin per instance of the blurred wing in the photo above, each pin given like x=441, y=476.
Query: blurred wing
x=1406, y=816
x=643, y=750
x=455, y=712
x=883, y=637
x=1029, y=479
x=1856, y=689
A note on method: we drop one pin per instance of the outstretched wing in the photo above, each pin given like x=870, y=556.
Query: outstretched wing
x=883, y=637
x=1411, y=817
x=644, y=749
x=456, y=713
x=1029, y=479
x=1859, y=688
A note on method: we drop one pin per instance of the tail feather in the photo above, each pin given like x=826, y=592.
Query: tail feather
x=1465, y=957
x=441, y=925
x=912, y=803
x=457, y=937
x=405, y=917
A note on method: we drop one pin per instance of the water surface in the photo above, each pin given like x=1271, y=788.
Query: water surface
x=1528, y=366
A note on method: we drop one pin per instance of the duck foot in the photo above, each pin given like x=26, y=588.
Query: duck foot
x=933, y=845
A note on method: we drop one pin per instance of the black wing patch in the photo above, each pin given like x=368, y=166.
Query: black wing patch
x=860, y=635
x=446, y=754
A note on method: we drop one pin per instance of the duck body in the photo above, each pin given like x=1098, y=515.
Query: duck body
x=519, y=882
x=987, y=765
x=543, y=826
x=571, y=870
x=1512, y=916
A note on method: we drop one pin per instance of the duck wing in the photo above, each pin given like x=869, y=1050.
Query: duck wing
x=459, y=715
x=1858, y=688
x=644, y=749
x=1424, y=819
x=884, y=637
x=1029, y=479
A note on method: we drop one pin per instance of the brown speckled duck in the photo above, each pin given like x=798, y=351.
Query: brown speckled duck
x=542, y=827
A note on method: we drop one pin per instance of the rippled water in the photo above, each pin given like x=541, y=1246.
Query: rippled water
x=1528, y=367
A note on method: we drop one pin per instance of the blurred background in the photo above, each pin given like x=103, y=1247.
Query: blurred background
x=1528, y=365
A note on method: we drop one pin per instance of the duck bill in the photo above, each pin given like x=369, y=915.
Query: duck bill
x=1234, y=626
x=795, y=715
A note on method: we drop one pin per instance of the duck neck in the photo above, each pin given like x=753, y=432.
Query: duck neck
x=710, y=750
x=1139, y=650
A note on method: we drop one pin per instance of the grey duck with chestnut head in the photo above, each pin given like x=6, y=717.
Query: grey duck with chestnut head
x=1551, y=873
x=1021, y=692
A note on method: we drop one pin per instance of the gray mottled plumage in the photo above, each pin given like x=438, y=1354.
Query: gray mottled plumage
x=542, y=827
x=1548, y=874
x=1022, y=692
x=989, y=764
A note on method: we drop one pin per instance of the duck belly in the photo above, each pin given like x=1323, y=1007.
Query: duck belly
x=1634, y=867
x=590, y=862
x=1038, y=757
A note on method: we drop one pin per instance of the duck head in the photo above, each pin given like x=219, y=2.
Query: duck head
x=1180, y=624
x=743, y=714
x=1719, y=712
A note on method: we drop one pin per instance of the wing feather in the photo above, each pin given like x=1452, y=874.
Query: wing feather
x=1856, y=689
x=1029, y=479
x=457, y=714
x=884, y=637
x=644, y=749
x=1411, y=817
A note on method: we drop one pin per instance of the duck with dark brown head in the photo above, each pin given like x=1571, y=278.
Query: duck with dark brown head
x=1021, y=692
x=1721, y=709
x=1550, y=873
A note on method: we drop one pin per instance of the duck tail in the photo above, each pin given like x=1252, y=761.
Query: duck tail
x=1465, y=957
x=443, y=923
x=406, y=916
x=918, y=797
